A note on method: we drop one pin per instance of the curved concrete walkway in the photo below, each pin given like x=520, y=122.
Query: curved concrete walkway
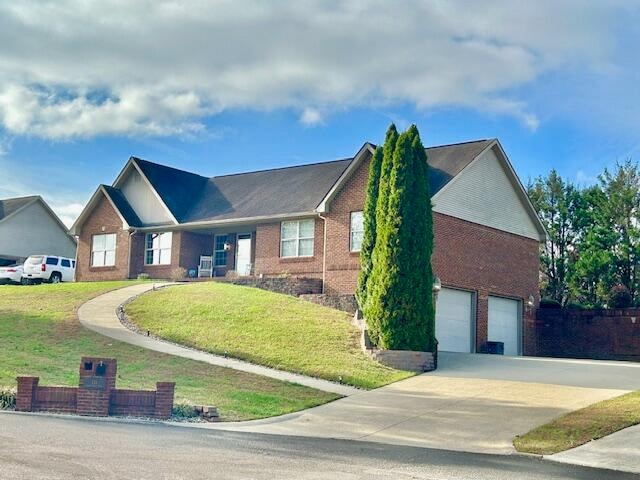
x=100, y=316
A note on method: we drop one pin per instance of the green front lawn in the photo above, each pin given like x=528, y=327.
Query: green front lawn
x=262, y=327
x=579, y=427
x=40, y=335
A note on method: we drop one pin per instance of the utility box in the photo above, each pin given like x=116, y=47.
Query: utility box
x=494, y=348
x=97, y=380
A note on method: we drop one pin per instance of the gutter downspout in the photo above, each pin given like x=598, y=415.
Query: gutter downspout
x=75, y=259
x=324, y=253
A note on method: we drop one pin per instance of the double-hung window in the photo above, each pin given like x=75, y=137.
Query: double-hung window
x=356, y=231
x=219, y=253
x=296, y=238
x=158, y=249
x=103, y=250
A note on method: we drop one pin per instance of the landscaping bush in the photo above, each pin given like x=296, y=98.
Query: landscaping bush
x=549, y=303
x=619, y=297
x=143, y=276
x=574, y=306
x=184, y=410
x=7, y=398
x=178, y=274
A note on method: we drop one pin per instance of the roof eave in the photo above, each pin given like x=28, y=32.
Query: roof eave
x=229, y=222
x=131, y=163
x=75, y=228
x=323, y=206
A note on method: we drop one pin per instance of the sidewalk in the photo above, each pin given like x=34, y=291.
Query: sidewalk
x=618, y=451
x=100, y=316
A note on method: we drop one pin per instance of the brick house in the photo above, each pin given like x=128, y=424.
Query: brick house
x=306, y=221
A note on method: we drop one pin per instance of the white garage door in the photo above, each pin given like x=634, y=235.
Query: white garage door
x=453, y=320
x=504, y=324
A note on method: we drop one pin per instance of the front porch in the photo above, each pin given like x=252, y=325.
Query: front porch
x=218, y=253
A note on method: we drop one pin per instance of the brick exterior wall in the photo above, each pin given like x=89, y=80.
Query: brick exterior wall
x=103, y=219
x=186, y=249
x=268, y=260
x=466, y=255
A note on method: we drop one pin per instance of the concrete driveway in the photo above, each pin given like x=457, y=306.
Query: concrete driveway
x=476, y=403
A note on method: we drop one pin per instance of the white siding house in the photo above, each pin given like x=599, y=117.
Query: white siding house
x=29, y=226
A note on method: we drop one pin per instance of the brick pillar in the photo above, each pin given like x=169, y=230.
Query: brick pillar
x=164, y=399
x=95, y=387
x=482, y=320
x=26, y=393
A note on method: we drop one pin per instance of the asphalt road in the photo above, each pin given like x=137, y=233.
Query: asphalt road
x=42, y=447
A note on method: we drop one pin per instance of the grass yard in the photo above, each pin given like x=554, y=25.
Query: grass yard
x=262, y=327
x=579, y=427
x=40, y=335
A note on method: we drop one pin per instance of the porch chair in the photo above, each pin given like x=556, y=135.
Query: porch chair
x=205, y=269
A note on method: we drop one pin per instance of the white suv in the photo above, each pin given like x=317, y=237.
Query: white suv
x=48, y=268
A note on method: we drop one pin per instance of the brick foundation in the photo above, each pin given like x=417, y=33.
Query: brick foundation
x=96, y=394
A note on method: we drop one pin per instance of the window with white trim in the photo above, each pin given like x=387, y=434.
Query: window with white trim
x=158, y=248
x=219, y=252
x=356, y=231
x=103, y=250
x=296, y=238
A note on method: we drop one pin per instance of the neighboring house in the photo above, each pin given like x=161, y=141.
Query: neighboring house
x=28, y=226
x=306, y=221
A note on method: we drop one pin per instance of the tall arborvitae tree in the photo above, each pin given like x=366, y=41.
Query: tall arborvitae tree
x=380, y=218
x=369, y=221
x=400, y=304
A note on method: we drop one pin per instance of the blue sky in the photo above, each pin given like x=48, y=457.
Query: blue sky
x=217, y=87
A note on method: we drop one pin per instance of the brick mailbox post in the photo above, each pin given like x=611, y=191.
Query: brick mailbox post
x=97, y=380
x=96, y=394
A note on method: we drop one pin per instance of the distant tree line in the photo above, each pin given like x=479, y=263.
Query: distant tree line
x=592, y=252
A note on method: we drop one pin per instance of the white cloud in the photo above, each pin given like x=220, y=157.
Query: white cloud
x=67, y=212
x=310, y=117
x=80, y=69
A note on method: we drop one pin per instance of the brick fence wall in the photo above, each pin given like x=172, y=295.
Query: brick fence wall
x=597, y=334
x=96, y=395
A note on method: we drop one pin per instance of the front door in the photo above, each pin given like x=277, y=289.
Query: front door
x=243, y=254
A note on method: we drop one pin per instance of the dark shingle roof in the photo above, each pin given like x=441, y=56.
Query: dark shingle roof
x=280, y=191
x=123, y=206
x=9, y=206
x=268, y=192
x=447, y=161
x=177, y=188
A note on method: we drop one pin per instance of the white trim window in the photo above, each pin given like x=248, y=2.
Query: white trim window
x=103, y=250
x=296, y=238
x=219, y=252
x=157, y=249
x=356, y=232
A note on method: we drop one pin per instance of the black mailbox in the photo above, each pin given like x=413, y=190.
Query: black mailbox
x=101, y=369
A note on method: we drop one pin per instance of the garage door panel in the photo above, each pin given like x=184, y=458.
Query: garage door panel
x=504, y=323
x=453, y=320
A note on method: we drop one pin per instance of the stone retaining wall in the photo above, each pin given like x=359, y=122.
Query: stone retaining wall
x=345, y=302
x=287, y=285
x=409, y=360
